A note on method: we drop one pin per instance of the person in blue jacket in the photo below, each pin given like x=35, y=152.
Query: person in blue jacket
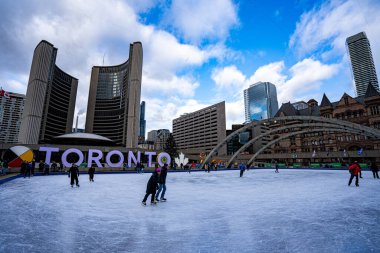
x=242, y=168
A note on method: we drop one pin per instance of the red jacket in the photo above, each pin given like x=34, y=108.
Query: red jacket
x=355, y=168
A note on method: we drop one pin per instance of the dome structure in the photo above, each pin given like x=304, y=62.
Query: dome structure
x=83, y=139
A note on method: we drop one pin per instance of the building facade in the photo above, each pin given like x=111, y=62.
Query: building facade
x=158, y=138
x=260, y=101
x=11, y=109
x=363, y=67
x=142, y=122
x=50, y=98
x=113, y=109
x=327, y=147
x=200, y=131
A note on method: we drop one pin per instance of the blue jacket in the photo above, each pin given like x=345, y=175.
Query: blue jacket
x=242, y=167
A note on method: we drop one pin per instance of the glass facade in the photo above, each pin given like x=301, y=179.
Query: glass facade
x=260, y=101
x=110, y=105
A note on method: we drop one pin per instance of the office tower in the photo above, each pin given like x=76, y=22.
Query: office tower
x=113, y=109
x=11, y=109
x=260, y=101
x=363, y=68
x=50, y=98
x=142, y=121
x=202, y=130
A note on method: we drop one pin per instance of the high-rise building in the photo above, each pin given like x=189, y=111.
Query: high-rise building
x=11, y=109
x=260, y=101
x=113, y=109
x=142, y=121
x=50, y=98
x=202, y=130
x=159, y=138
x=363, y=67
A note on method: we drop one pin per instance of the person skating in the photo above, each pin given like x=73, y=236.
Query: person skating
x=33, y=166
x=242, y=168
x=375, y=170
x=276, y=166
x=74, y=174
x=354, y=170
x=91, y=172
x=162, y=183
x=41, y=166
x=23, y=168
x=46, y=169
x=151, y=186
x=360, y=169
x=54, y=166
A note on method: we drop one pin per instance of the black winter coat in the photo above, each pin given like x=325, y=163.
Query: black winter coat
x=374, y=167
x=151, y=187
x=164, y=173
x=74, y=171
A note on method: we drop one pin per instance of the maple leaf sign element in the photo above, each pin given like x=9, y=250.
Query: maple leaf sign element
x=181, y=159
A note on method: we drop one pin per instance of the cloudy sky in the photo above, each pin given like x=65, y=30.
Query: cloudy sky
x=196, y=52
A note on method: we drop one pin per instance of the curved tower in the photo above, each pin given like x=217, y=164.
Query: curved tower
x=113, y=109
x=50, y=98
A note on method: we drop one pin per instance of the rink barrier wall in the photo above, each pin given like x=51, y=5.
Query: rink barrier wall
x=10, y=178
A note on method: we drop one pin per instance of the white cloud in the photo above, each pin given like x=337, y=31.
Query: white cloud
x=197, y=20
x=228, y=77
x=86, y=32
x=304, y=80
x=164, y=111
x=328, y=27
x=306, y=77
x=181, y=85
x=271, y=72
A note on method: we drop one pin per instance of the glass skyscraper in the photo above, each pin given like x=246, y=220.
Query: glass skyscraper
x=363, y=68
x=260, y=101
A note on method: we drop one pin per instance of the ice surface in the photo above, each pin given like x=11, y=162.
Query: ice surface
x=293, y=211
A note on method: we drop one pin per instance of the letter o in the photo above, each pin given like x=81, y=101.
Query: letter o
x=115, y=165
x=72, y=150
x=161, y=156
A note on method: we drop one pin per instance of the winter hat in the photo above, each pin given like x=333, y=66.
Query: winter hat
x=158, y=170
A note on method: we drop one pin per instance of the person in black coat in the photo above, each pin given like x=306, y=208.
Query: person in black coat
x=91, y=172
x=152, y=186
x=375, y=170
x=41, y=166
x=162, y=183
x=74, y=174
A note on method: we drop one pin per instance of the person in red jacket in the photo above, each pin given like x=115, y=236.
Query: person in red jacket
x=354, y=170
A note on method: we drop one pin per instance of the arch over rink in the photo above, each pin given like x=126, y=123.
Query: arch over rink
x=310, y=122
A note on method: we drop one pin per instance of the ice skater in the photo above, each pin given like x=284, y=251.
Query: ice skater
x=276, y=166
x=151, y=187
x=354, y=169
x=375, y=170
x=162, y=183
x=74, y=174
x=91, y=172
x=242, y=168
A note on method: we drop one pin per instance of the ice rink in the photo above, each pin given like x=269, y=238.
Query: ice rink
x=293, y=211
